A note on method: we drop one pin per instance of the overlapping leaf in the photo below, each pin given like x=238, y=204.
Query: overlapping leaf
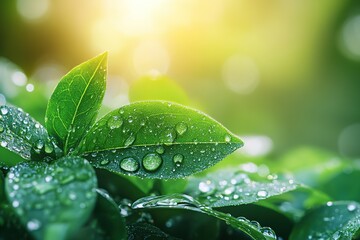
x=335, y=220
x=74, y=105
x=157, y=139
x=52, y=199
x=23, y=135
x=181, y=201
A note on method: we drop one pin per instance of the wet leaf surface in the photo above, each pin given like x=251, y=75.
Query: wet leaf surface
x=74, y=105
x=181, y=201
x=52, y=199
x=23, y=135
x=230, y=188
x=157, y=139
x=140, y=231
x=335, y=220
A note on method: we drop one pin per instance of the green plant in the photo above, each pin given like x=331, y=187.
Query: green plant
x=79, y=176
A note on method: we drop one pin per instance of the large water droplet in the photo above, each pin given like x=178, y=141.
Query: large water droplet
x=178, y=159
x=130, y=140
x=160, y=150
x=129, y=164
x=115, y=122
x=49, y=148
x=206, y=187
x=181, y=128
x=168, y=136
x=39, y=144
x=3, y=143
x=152, y=161
x=227, y=138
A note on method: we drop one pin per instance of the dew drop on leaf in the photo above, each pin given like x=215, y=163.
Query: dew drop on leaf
x=160, y=149
x=227, y=138
x=152, y=161
x=130, y=140
x=1, y=127
x=114, y=122
x=351, y=207
x=181, y=128
x=39, y=144
x=206, y=187
x=104, y=162
x=4, y=110
x=49, y=148
x=262, y=193
x=129, y=164
x=3, y=143
x=178, y=159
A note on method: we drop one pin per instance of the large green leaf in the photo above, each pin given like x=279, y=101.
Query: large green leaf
x=140, y=231
x=74, y=105
x=335, y=220
x=231, y=187
x=52, y=201
x=157, y=139
x=180, y=201
x=23, y=135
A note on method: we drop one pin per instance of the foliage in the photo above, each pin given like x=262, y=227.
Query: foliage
x=127, y=175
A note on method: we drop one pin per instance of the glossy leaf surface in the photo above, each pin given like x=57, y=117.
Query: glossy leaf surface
x=335, y=220
x=55, y=198
x=157, y=139
x=231, y=188
x=74, y=105
x=23, y=135
x=180, y=201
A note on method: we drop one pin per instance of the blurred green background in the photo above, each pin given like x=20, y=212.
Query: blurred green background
x=279, y=73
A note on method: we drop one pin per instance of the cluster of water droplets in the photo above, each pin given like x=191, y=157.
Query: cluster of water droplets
x=22, y=134
x=41, y=193
x=181, y=201
x=231, y=187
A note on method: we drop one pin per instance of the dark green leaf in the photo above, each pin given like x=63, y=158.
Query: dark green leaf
x=23, y=135
x=105, y=222
x=181, y=201
x=335, y=220
x=52, y=199
x=157, y=139
x=74, y=105
x=10, y=226
x=233, y=187
x=141, y=231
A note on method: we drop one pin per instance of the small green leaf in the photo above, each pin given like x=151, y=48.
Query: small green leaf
x=181, y=201
x=155, y=139
x=52, y=198
x=234, y=187
x=335, y=220
x=23, y=135
x=74, y=105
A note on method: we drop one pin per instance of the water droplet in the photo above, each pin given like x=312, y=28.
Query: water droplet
x=160, y=150
x=181, y=128
x=49, y=148
x=130, y=140
x=39, y=144
x=351, y=207
x=268, y=232
x=3, y=143
x=114, y=122
x=104, y=162
x=4, y=110
x=15, y=203
x=48, y=178
x=227, y=138
x=178, y=159
x=206, y=187
x=1, y=127
x=129, y=164
x=152, y=161
x=168, y=136
x=262, y=193
x=329, y=204
x=229, y=190
x=33, y=225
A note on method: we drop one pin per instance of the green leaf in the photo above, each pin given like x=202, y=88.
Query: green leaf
x=105, y=222
x=23, y=135
x=74, y=105
x=140, y=231
x=335, y=220
x=231, y=187
x=181, y=201
x=52, y=199
x=155, y=139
